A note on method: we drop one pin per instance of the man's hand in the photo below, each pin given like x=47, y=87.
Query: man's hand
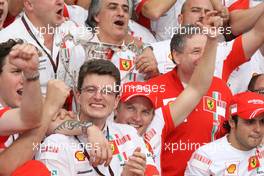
x=222, y=11
x=100, y=152
x=57, y=92
x=25, y=57
x=210, y=24
x=136, y=164
x=146, y=64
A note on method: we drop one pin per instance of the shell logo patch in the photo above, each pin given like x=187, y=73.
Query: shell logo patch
x=79, y=155
x=231, y=169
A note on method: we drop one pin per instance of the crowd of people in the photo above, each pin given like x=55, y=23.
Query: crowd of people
x=131, y=87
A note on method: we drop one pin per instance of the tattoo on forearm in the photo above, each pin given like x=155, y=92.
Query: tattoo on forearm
x=70, y=125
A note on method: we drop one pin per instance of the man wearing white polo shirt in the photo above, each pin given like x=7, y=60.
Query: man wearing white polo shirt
x=239, y=152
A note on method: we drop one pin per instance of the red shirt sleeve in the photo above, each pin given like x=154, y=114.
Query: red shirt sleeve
x=235, y=58
x=3, y=110
x=238, y=5
x=142, y=19
x=169, y=124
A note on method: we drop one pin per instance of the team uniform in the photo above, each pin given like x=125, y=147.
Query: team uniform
x=160, y=126
x=221, y=158
x=209, y=114
x=163, y=27
x=124, y=60
x=51, y=67
x=240, y=77
x=63, y=154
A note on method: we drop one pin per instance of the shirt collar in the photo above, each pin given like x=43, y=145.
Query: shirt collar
x=34, y=30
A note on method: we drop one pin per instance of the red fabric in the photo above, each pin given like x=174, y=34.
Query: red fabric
x=68, y=101
x=133, y=89
x=32, y=168
x=185, y=138
x=240, y=4
x=151, y=170
x=3, y=110
x=9, y=19
x=235, y=58
x=65, y=11
x=144, y=21
x=3, y=139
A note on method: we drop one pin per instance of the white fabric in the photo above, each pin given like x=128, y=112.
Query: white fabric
x=153, y=136
x=77, y=14
x=220, y=158
x=239, y=79
x=141, y=32
x=18, y=30
x=124, y=61
x=62, y=154
x=163, y=56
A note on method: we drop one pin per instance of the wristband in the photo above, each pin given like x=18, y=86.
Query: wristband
x=85, y=125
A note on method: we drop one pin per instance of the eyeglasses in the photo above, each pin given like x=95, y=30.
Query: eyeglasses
x=259, y=91
x=105, y=91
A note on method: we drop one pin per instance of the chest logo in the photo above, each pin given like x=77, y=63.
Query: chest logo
x=79, y=155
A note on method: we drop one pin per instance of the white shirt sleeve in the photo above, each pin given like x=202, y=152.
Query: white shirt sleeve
x=54, y=154
x=149, y=157
x=198, y=165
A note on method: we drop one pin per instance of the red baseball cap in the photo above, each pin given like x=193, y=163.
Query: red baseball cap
x=247, y=105
x=133, y=89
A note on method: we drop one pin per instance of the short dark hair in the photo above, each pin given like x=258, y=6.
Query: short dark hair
x=5, y=48
x=179, y=38
x=100, y=67
x=226, y=124
x=252, y=82
x=94, y=9
x=184, y=7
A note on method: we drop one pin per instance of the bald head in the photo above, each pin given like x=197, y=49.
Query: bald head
x=194, y=10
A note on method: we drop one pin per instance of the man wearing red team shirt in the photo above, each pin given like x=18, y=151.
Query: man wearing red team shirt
x=203, y=124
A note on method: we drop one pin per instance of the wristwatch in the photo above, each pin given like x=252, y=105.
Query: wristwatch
x=85, y=125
